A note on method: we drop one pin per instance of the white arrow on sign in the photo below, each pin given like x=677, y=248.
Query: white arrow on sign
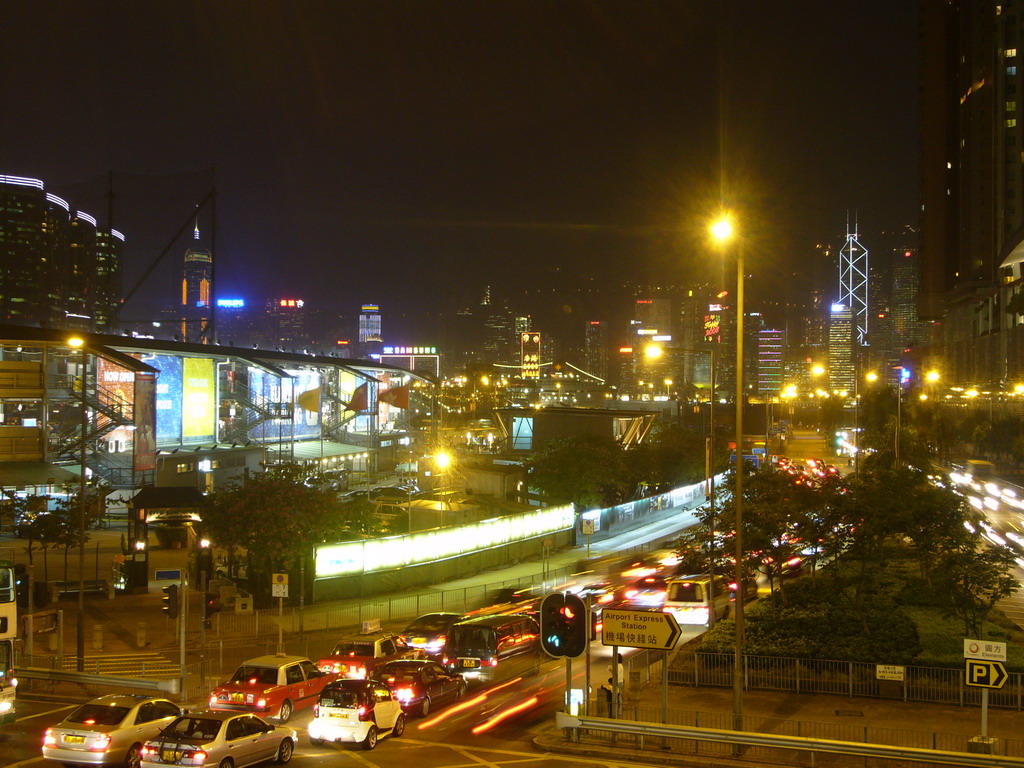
x=656, y=630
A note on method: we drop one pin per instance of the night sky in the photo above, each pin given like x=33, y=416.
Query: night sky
x=409, y=153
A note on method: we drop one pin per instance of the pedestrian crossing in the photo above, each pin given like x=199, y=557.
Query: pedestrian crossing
x=141, y=665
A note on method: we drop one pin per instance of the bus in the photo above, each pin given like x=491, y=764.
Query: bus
x=8, y=632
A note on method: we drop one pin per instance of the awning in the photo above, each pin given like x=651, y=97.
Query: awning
x=167, y=497
x=309, y=450
x=24, y=473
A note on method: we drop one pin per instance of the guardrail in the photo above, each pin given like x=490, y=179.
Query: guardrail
x=801, y=743
x=83, y=678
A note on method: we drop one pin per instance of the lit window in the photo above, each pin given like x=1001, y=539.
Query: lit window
x=1011, y=71
x=1011, y=52
x=1011, y=106
x=1011, y=123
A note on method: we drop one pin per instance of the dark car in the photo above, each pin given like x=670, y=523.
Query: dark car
x=421, y=685
x=429, y=632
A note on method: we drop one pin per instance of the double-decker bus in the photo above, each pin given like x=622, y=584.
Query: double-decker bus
x=8, y=632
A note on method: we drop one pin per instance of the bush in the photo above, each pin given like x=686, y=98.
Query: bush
x=169, y=536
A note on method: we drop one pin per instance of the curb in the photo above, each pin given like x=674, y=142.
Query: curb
x=548, y=742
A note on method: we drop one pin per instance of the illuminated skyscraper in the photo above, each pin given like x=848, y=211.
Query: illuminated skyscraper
x=369, y=324
x=840, y=348
x=770, y=345
x=196, y=289
x=595, y=348
x=853, y=283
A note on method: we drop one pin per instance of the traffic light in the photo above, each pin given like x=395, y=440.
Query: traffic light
x=170, y=601
x=564, y=626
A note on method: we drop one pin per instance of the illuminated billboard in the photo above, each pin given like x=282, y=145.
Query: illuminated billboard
x=144, y=453
x=530, y=352
x=713, y=328
x=270, y=389
x=198, y=412
x=168, y=397
x=117, y=392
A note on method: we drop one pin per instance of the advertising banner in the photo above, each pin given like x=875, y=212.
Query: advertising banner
x=197, y=401
x=117, y=391
x=168, y=397
x=145, y=422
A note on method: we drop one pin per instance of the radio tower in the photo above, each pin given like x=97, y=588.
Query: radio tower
x=853, y=281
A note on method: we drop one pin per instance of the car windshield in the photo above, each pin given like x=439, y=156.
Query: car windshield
x=685, y=592
x=193, y=729
x=250, y=674
x=97, y=714
x=346, y=648
x=471, y=638
x=340, y=697
x=435, y=622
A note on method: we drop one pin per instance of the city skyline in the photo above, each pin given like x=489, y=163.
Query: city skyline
x=397, y=155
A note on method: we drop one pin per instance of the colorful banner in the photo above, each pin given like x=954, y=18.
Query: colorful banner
x=145, y=422
x=198, y=412
x=117, y=391
x=168, y=397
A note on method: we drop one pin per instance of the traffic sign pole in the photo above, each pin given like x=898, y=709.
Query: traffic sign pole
x=984, y=713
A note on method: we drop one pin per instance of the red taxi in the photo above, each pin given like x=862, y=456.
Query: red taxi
x=358, y=657
x=271, y=686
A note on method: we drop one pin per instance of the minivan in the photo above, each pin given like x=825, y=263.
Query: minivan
x=689, y=598
x=493, y=648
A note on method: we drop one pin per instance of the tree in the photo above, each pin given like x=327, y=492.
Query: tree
x=587, y=471
x=275, y=517
x=974, y=577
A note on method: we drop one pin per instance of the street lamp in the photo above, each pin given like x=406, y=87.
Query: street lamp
x=722, y=232
x=78, y=343
x=869, y=377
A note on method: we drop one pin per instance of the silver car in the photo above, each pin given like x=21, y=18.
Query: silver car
x=110, y=729
x=225, y=739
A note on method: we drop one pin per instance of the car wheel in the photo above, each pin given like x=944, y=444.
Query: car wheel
x=399, y=728
x=315, y=742
x=371, y=738
x=425, y=706
x=227, y=762
x=133, y=758
x=284, y=752
x=285, y=712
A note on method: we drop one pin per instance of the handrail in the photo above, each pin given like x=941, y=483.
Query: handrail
x=914, y=754
x=63, y=676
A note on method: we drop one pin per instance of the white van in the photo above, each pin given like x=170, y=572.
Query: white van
x=690, y=598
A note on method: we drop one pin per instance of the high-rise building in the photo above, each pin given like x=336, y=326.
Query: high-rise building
x=196, y=294
x=853, y=283
x=595, y=348
x=908, y=331
x=58, y=268
x=287, y=324
x=841, y=342
x=771, y=344
x=369, y=324
x=972, y=186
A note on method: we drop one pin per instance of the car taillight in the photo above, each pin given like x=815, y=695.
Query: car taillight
x=316, y=710
x=441, y=640
x=261, y=703
x=445, y=660
x=631, y=593
x=101, y=743
x=147, y=750
x=404, y=694
x=198, y=757
x=491, y=662
x=49, y=740
x=361, y=671
x=213, y=700
x=363, y=713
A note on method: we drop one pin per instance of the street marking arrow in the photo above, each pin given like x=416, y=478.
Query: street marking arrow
x=985, y=674
x=640, y=629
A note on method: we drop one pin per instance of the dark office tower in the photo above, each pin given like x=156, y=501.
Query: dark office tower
x=654, y=315
x=908, y=331
x=501, y=342
x=56, y=268
x=814, y=323
x=972, y=185
x=196, y=293
x=595, y=348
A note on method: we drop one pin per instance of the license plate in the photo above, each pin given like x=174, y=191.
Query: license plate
x=419, y=640
x=237, y=698
x=470, y=662
x=74, y=739
x=170, y=755
x=340, y=715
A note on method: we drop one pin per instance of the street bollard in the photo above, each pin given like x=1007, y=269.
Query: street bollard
x=140, y=634
x=97, y=637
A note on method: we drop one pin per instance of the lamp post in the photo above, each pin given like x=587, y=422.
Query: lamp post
x=899, y=412
x=79, y=343
x=722, y=231
x=709, y=481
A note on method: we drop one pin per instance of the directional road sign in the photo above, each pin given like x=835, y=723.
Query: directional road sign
x=985, y=674
x=656, y=630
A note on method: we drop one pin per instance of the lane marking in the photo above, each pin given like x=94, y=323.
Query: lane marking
x=533, y=755
x=468, y=756
x=47, y=712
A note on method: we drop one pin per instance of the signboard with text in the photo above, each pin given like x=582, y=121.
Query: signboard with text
x=640, y=629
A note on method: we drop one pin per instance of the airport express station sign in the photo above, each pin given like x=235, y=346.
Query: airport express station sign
x=640, y=629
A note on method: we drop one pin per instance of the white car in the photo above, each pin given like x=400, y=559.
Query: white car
x=356, y=711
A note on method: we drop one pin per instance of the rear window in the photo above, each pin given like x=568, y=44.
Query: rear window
x=352, y=649
x=247, y=673
x=397, y=673
x=435, y=622
x=686, y=592
x=98, y=714
x=470, y=638
x=193, y=729
x=341, y=697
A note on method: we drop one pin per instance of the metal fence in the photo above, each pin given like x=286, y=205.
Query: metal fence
x=844, y=678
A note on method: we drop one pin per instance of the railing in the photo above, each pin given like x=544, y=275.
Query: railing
x=703, y=736
x=843, y=678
